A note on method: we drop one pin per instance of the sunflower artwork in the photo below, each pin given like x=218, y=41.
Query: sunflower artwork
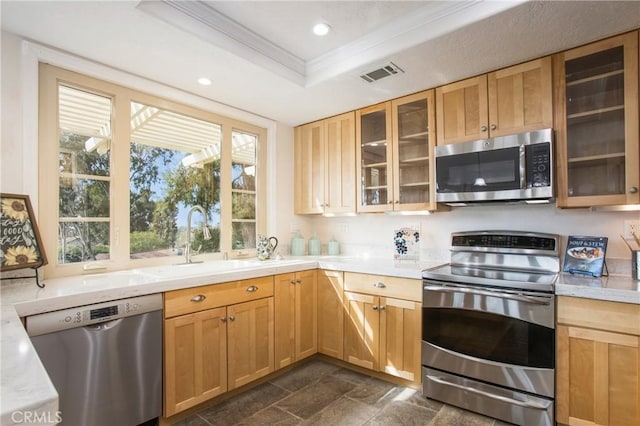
x=20, y=245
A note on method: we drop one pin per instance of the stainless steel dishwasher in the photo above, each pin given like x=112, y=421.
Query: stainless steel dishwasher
x=105, y=360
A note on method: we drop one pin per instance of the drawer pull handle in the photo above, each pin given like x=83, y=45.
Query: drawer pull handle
x=198, y=298
x=380, y=285
x=252, y=289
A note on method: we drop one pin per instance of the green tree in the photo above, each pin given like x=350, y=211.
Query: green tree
x=145, y=165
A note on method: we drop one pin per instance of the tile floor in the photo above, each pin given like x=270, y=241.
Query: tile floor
x=320, y=393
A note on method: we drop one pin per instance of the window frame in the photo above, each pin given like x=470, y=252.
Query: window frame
x=48, y=180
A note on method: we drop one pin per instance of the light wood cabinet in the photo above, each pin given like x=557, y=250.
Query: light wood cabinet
x=596, y=98
x=395, y=157
x=209, y=347
x=507, y=101
x=413, y=144
x=598, y=362
x=296, y=319
x=195, y=358
x=383, y=333
x=250, y=336
x=331, y=313
x=309, y=168
x=325, y=179
x=373, y=157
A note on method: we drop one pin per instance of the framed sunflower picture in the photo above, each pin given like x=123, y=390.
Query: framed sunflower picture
x=20, y=243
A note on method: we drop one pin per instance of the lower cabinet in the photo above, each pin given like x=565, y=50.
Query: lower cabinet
x=383, y=333
x=295, y=317
x=598, y=362
x=210, y=351
x=331, y=313
x=250, y=341
x=195, y=359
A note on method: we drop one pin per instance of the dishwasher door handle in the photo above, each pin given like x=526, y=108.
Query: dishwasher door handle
x=103, y=326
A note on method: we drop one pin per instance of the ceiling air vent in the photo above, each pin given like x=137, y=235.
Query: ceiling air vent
x=386, y=71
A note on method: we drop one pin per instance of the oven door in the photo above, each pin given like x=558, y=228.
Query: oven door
x=500, y=336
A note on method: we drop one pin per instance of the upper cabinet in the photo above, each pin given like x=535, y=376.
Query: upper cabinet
x=373, y=157
x=507, y=101
x=597, y=123
x=325, y=166
x=395, y=155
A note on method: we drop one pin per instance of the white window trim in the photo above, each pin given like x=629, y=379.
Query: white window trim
x=34, y=53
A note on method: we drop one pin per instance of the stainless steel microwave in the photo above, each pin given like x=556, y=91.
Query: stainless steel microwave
x=508, y=168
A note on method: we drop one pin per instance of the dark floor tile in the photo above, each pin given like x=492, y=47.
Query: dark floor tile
x=343, y=412
x=305, y=375
x=375, y=392
x=194, y=420
x=452, y=416
x=244, y=405
x=312, y=399
x=350, y=376
x=418, y=399
x=271, y=416
x=402, y=414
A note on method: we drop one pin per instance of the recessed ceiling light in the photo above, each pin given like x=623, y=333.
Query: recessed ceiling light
x=204, y=81
x=321, y=29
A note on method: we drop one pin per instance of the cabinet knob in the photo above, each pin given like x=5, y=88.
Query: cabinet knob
x=390, y=202
x=292, y=281
x=382, y=307
x=493, y=127
x=397, y=202
x=223, y=319
x=375, y=308
x=379, y=285
x=252, y=289
x=198, y=298
x=232, y=318
x=633, y=190
x=483, y=128
x=298, y=281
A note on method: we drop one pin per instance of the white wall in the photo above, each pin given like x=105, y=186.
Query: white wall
x=369, y=234
x=11, y=136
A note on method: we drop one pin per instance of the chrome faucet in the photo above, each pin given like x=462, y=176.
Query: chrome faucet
x=206, y=233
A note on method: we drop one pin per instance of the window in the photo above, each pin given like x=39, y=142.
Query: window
x=125, y=169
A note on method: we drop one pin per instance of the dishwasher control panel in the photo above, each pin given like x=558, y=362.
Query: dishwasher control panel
x=49, y=322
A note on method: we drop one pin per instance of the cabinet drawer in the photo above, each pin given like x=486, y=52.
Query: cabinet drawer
x=196, y=299
x=599, y=314
x=401, y=288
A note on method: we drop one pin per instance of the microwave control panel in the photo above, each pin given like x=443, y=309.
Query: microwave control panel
x=538, y=158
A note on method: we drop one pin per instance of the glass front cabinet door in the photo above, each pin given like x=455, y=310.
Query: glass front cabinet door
x=395, y=154
x=597, y=123
x=373, y=135
x=413, y=124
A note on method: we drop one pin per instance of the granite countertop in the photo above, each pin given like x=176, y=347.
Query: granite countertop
x=615, y=288
x=26, y=386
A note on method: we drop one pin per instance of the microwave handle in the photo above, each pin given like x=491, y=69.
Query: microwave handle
x=523, y=167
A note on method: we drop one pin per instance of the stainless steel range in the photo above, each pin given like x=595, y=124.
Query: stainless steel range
x=488, y=334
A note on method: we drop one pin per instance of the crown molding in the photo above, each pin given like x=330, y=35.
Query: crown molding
x=433, y=20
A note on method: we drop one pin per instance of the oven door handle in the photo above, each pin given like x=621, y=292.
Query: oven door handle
x=537, y=300
x=526, y=404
